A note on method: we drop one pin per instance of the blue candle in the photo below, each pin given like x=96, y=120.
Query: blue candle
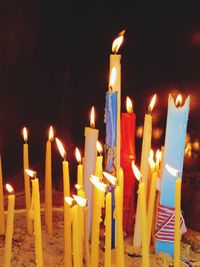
x=175, y=136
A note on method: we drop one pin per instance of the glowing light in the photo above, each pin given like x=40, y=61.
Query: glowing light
x=101, y=186
x=172, y=171
x=113, y=75
x=136, y=171
x=139, y=131
x=61, y=148
x=31, y=173
x=78, y=186
x=51, y=134
x=117, y=42
x=25, y=135
x=178, y=101
x=152, y=103
x=112, y=179
x=69, y=200
x=151, y=160
x=80, y=200
x=9, y=188
x=99, y=147
x=158, y=155
x=92, y=118
x=78, y=155
x=129, y=105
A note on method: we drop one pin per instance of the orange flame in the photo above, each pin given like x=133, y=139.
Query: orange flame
x=78, y=155
x=61, y=148
x=158, y=155
x=172, y=171
x=151, y=160
x=117, y=42
x=110, y=178
x=80, y=200
x=136, y=172
x=25, y=135
x=152, y=103
x=129, y=105
x=113, y=75
x=31, y=173
x=51, y=135
x=92, y=120
x=178, y=101
x=101, y=186
x=99, y=147
x=78, y=186
x=9, y=188
x=69, y=200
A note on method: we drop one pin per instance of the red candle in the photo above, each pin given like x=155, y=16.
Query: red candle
x=128, y=122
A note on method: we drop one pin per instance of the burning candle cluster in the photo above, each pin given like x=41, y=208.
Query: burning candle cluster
x=106, y=184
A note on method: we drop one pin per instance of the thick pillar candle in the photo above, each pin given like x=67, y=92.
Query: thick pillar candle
x=90, y=154
x=9, y=227
x=2, y=219
x=177, y=232
x=48, y=184
x=27, y=186
x=177, y=118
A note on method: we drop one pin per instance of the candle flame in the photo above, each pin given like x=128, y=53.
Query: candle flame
x=158, y=155
x=117, y=42
x=172, y=171
x=25, y=135
x=31, y=173
x=92, y=118
x=136, y=171
x=152, y=163
x=99, y=147
x=78, y=155
x=129, y=105
x=69, y=200
x=178, y=100
x=101, y=186
x=152, y=103
x=78, y=186
x=112, y=179
x=113, y=75
x=9, y=188
x=151, y=154
x=80, y=200
x=51, y=135
x=61, y=148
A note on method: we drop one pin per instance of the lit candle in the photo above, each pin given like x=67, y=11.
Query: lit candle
x=9, y=226
x=100, y=191
x=128, y=122
x=99, y=161
x=152, y=197
x=144, y=167
x=27, y=181
x=176, y=126
x=143, y=218
x=48, y=184
x=36, y=217
x=67, y=215
x=2, y=219
x=90, y=154
x=79, y=168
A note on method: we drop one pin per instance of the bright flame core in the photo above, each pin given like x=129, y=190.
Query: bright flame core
x=152, y=103
x=61, y=148
x=80, y=200
x=9, y=188
x=113, y=75
x=129, y=105
x=92, y=121
x=117, y=42
x=136, y=171
x=178, y=101
x=25, y=135
x=172, y=171
x=69, y=200
x=99, y=147
x=99, y=185
x=31, y=173
x=78, y=155
x=78, y=186
x=51, y=135
x=158, y=155
x=112, y=179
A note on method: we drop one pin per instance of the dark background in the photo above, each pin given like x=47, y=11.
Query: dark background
x=54, y=62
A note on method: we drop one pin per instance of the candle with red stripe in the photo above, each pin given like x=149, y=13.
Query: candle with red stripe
x=128, y=121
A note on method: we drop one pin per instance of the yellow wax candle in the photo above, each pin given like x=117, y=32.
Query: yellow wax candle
x=86, y=240
x=48, y=185
x=143, y=214
x=27, y=185
x=96, y=219
x=9, y=227
x=2, y=219
x=144, y=167
x=79, y=168
x=177, y=233
x=108, y=230
x=77, y=259
x=99, y=161
x=120, y=261
x=67, y=214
